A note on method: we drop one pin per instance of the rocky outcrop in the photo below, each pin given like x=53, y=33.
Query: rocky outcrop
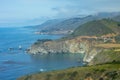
x=90, y=55
x=63, y=46
x=83, y=45
x=106, y=56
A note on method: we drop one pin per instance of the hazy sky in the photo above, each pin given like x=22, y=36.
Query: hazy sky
x=26, y=11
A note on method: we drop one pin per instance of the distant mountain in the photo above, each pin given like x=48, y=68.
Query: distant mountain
x=97, y=28
x=64, y=24
x=71, y=23
x=48, y=24
x=68, y=24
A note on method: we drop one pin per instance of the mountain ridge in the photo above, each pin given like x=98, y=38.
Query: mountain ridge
x=69, y=24
x=98, y=28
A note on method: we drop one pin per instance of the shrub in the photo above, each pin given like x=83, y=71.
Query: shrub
x=59, y=76
x=48, y=76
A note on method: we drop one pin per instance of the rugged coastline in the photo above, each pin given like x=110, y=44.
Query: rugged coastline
x=100, y=46
x=103, y=61
x=84, y=39
x=88, y=45
x=82, y=44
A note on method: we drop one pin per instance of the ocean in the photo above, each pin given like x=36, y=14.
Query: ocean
x=16, y=63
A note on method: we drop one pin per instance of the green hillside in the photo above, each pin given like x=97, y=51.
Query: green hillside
x=98, y=28
x=106, y=56
x=98, y=72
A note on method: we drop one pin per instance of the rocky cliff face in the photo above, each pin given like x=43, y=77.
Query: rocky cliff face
x=81, y=45
x=106, y=56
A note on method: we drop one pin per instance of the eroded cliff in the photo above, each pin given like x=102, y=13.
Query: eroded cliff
x=81, y=44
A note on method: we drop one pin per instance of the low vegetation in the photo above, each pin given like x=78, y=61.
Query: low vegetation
x=98, y=72
x=97, y=28
x=106, y=56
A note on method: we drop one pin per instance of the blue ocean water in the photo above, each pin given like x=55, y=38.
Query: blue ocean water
x=16, y=63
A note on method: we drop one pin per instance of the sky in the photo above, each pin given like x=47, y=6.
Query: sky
x=26, y=12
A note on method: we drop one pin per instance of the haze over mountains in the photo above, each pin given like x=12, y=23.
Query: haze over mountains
x=71, y=24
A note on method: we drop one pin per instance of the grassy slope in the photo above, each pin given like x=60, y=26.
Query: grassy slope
x=106, y=56
x=113, y=25
x=105, y=71
x=98, y=28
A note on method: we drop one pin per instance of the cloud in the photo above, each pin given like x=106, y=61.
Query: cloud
x=85, y=7
x=24, y=10
x=62, y=12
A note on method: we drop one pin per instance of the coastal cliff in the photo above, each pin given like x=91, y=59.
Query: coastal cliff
x=103, y=61
x=88, y=39
x=81, y=44
x=99, y=41
x=76, y=45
